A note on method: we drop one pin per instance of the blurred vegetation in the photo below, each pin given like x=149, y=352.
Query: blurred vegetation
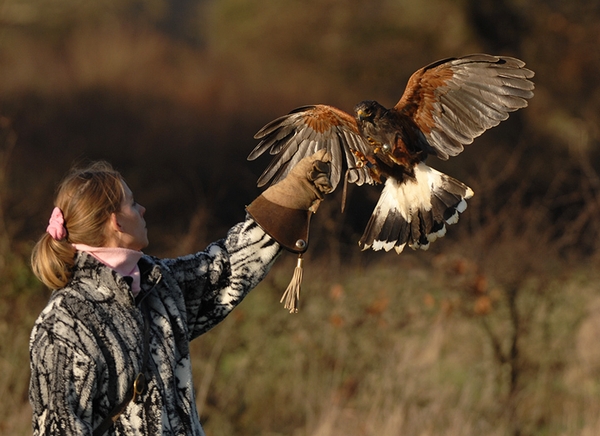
x=493, y=331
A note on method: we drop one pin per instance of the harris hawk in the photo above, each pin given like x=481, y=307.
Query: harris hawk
x=445, y=106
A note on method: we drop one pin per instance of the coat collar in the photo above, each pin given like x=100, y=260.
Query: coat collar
x=102, y=283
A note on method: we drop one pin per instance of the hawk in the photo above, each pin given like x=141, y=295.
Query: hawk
x=445, y=106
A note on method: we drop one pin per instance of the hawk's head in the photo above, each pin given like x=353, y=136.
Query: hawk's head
x=368, y=111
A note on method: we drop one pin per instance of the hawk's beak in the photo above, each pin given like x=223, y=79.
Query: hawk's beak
x=361, y=114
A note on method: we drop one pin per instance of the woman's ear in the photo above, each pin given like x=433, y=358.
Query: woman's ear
x=113, y=231
x=113, y=223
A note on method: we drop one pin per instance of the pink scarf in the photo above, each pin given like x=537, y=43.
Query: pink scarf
x=122, y=260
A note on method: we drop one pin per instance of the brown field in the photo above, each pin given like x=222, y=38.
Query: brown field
x=424, y=344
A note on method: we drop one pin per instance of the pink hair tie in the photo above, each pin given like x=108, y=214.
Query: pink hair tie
x=56, y=226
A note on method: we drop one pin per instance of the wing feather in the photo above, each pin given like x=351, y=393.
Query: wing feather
x=455, y=100
x=306, y=130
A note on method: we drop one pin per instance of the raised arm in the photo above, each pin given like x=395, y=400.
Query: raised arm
x=216, y=280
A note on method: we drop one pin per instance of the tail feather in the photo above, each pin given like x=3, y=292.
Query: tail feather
x=415, y=212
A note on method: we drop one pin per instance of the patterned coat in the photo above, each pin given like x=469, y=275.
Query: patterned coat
x=87, y=345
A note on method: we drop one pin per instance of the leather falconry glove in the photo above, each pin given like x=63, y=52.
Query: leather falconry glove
x=284, y=211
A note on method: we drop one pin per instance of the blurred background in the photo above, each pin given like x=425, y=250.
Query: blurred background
x=494, y=330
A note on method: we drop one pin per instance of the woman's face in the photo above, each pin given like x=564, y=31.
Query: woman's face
x=131, y=224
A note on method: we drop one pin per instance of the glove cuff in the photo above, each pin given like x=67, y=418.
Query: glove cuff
x=289, y=227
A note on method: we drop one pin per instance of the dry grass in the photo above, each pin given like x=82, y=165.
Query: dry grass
x=398, y=349
x=389, y=349
x=21, y=300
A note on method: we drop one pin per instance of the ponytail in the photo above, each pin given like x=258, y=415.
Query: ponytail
x=52, y=261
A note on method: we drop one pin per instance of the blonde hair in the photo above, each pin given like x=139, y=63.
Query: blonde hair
x=87, y=197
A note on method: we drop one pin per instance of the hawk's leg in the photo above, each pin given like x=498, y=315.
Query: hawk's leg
x=369, y=162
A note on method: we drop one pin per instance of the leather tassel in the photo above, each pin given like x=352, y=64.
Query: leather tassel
x=291, y=296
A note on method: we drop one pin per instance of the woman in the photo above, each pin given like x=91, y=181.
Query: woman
x=110, y=352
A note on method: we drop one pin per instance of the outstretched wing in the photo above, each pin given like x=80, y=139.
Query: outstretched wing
x=304, y=131
x=454, y=100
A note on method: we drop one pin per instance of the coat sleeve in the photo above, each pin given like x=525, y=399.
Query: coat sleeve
x=215, y=280
x=62, y=384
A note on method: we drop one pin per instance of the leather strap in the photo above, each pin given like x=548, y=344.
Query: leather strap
x=137, y=387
